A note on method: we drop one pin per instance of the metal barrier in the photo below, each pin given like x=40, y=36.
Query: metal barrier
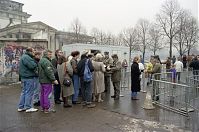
x=180, y=98
x=193, y=82
x=126, y=79
x=171, y=96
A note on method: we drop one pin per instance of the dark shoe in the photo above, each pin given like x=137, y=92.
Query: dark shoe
x=57, y=102
x=157, y=98
x=113, y=96
x=134, y=98
x=76, y=102
x=67, y=106
x=116, y=98
x=37, y=103
x=91, y=105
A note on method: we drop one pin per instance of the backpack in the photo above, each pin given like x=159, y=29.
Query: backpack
x=87, y=73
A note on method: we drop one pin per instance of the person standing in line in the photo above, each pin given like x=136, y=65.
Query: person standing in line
x=27, y=73
x=195, y=65
x=184, y=61
x=179, y=68
x=99, y=70
x=107, y=75
x=76, y=80
x=85, y=69
x=36, y=100
x=173, y=59
x=149, y=68
x=157, y=67
x=65, y=71
x=142, y=77
x=46, y=78
x=115, y=68
x=57, y=87
x=173, y=71
x=135, y=78
x=168, y=64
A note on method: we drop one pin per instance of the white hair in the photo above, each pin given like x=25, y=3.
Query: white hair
x=70, y=58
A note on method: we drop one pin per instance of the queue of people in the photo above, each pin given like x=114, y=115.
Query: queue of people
x=88, y=76
x=68, y=77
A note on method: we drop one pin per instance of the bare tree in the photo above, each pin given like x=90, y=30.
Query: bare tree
x=94, y=33
x=130, y=38
x=143, y=35
x=168, y=20
x=156, y=39
x=187, y=35
x=179, y=38
x=191, y=33
x=77, y=29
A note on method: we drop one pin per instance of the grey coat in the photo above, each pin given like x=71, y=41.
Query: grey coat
x=67, y=91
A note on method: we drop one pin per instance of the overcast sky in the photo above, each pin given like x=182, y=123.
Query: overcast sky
x=107, y=15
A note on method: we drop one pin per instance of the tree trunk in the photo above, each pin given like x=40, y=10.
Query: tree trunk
x=170, y=50
x=129, y=55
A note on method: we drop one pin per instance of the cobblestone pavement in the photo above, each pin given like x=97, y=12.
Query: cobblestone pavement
x=77, y=118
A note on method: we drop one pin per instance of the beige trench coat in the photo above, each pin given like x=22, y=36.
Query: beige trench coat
x=99, y=70
x=66, y=91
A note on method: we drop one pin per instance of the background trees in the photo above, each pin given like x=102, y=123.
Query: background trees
x=173, y=28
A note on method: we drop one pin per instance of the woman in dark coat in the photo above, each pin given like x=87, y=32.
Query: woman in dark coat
x=135, y=78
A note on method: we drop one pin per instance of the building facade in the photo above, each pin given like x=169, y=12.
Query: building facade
x=13, y=25
x=11, y=13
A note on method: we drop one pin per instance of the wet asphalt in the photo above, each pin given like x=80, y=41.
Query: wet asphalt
x=109, y=116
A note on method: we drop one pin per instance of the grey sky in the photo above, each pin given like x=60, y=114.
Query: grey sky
x=107, y=15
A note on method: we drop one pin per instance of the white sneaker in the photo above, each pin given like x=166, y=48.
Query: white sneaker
x=31, y=110
x=20, y=110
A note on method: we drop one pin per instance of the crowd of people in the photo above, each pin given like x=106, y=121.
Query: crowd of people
x=67, y=78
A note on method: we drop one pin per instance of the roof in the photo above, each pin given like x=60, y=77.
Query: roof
x=14, y=2
x=28, y=25
x=96, y=45
x=72, y=34
x=22, y=40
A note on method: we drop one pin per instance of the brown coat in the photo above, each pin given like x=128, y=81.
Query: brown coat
x=157, y=69
x=67, y=91
x=116, y=71
x=99, y=70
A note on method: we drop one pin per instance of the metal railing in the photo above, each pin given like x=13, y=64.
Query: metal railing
x=180, y=98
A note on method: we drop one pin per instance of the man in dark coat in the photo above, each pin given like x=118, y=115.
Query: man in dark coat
x=27, y=68
x=195, y=65
x=135, y=78
x=57, y=87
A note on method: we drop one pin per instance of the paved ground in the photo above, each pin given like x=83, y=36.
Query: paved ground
x=123, y=115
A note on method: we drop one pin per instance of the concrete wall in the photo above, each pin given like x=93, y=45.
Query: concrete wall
x=11, y=52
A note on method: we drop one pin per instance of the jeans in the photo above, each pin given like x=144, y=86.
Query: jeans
x=178, y=75
x=76, y=87
x=27, y=93
x=46, y=90
x=37, y=90
x=133, y=94
x=86, y=91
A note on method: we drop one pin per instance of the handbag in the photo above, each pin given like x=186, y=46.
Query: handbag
x=66, y=81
